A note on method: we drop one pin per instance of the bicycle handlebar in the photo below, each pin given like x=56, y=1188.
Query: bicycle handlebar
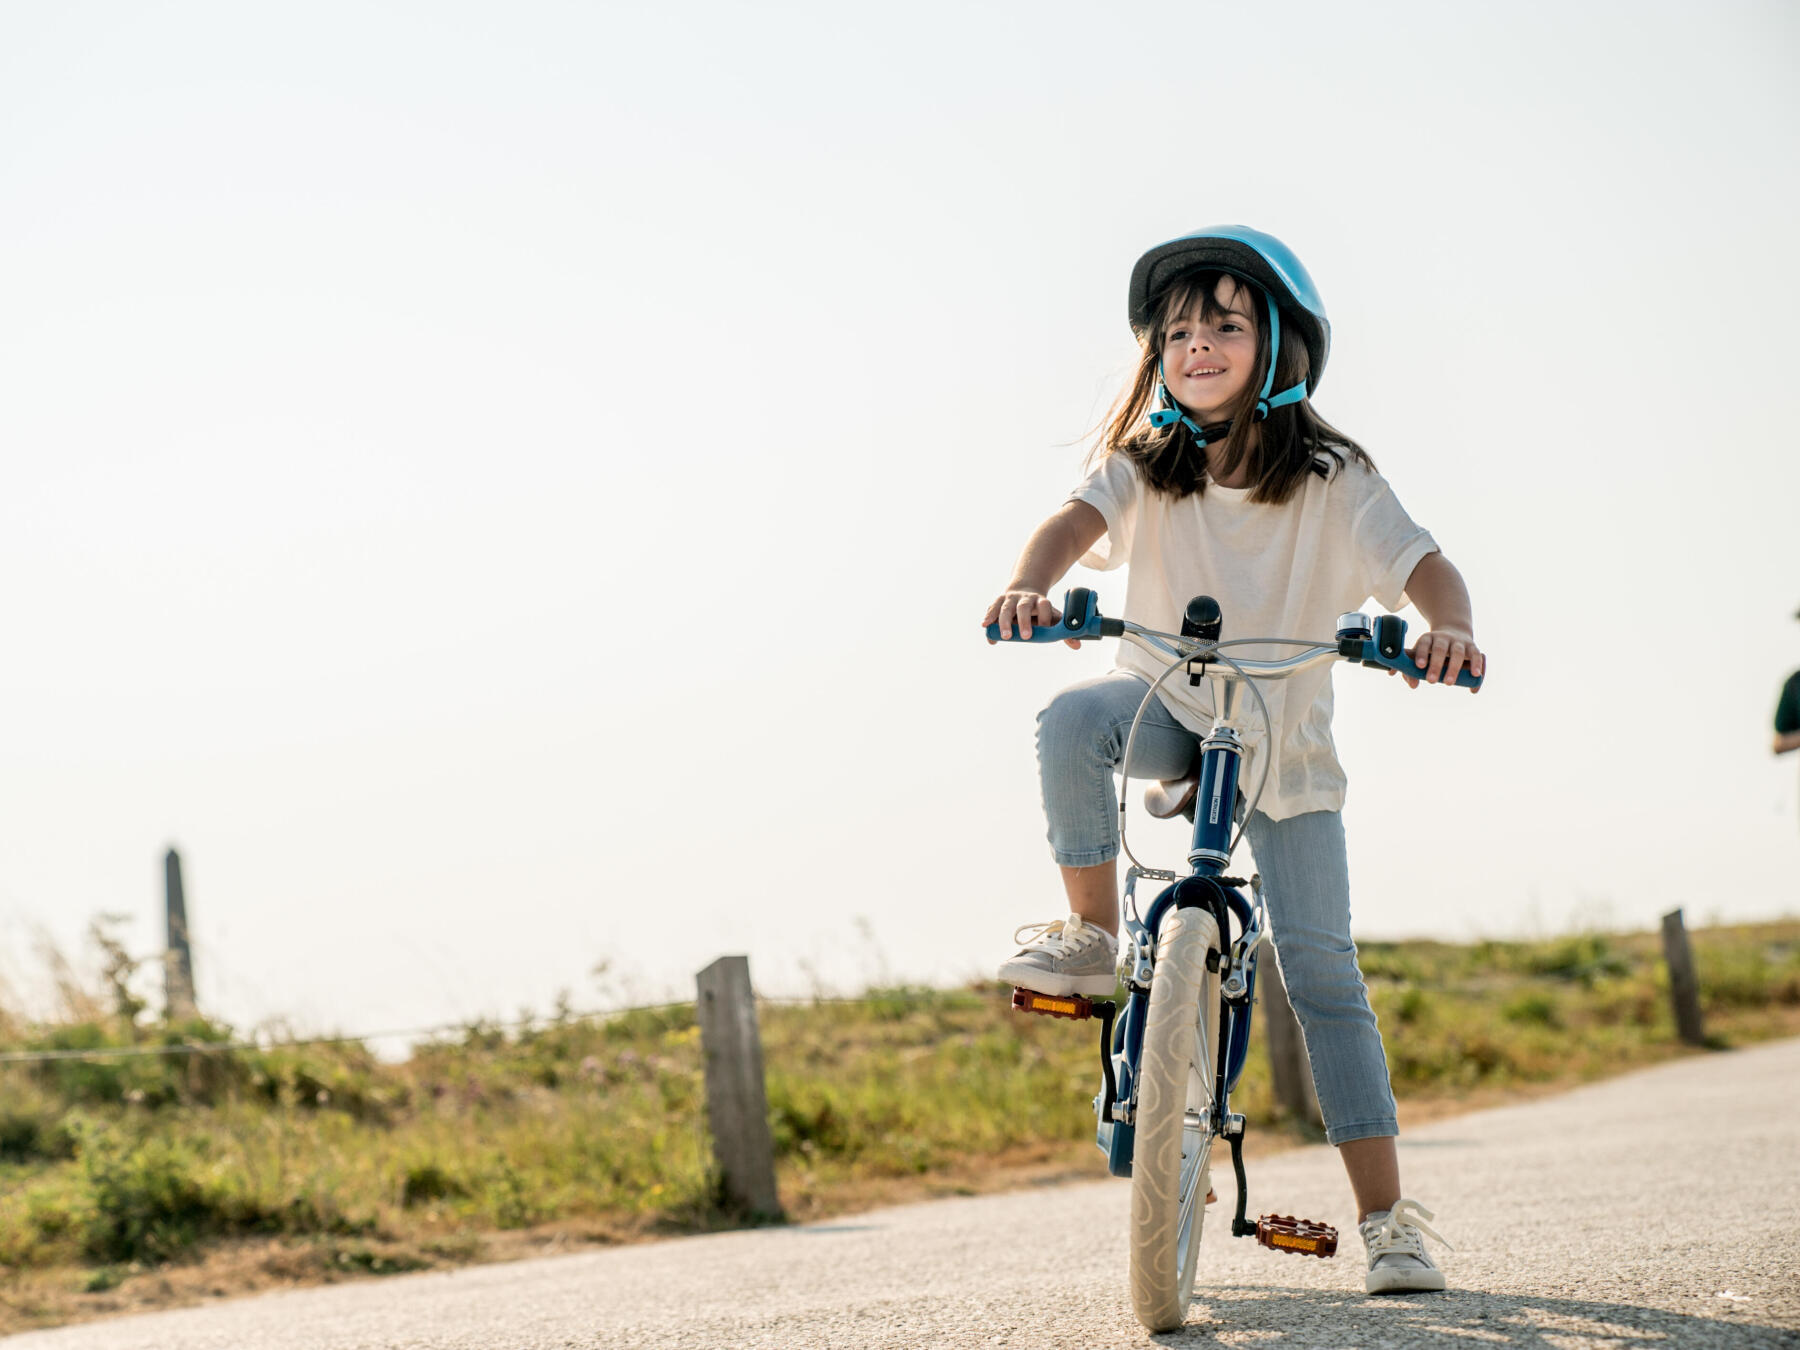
x=1347, y=645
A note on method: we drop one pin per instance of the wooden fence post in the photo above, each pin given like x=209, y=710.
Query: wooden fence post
x=737, y=1103
x=1684, y=984
x=1289, y=1067
x=178, y=956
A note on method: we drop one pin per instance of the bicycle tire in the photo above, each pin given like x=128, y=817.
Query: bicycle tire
x=1170, y=1173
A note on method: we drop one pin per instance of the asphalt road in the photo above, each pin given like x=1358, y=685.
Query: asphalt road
x=1657, y=1210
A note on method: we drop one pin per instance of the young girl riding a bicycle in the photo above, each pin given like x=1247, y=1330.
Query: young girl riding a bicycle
x=1213, y=474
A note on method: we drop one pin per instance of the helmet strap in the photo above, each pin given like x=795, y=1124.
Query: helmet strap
x=1293, y=395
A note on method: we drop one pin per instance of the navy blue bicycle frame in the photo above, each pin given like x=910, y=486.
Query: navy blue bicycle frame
x=1214, y=812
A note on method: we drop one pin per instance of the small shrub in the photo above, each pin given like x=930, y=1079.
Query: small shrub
x=649, y=1023
x=1533, y=1008
x=808, y=1123
x=31, y=1134
x=1463, y=1060
x=340, y=1078
x=427, y=1184
x=104, y=1278
x=151, y=1201
x=1414, y=1006
x=372, y=1262
x=507, y=1197
x=1584, y=957
x=1386, y=961
x=312, y=1214
x=1488, y=1056
x=53, y=1212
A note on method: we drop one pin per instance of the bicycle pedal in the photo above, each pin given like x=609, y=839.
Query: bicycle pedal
x=1300, y=1237
x=1072, y=1006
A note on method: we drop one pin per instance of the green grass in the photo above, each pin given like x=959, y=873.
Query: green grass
x=109, y=1168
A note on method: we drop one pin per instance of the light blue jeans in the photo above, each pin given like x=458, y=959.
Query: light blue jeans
x=1305, y=872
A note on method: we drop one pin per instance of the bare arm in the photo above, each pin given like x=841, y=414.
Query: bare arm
x=1786, y=741
x=1051, y=551
x=1437, y=588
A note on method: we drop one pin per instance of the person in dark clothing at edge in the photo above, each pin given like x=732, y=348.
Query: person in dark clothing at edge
x=1787, y=713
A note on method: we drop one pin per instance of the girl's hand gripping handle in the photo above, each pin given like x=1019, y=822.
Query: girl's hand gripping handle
x=1437, y=657
x=1029, y=617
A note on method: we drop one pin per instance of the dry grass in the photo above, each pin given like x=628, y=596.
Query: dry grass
x=149, y=1182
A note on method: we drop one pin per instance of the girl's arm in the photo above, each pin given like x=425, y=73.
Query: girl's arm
x=1786, y=741
x=1051, y=551
x=1437, y=588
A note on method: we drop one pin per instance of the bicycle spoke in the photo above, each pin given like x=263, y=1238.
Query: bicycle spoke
x=1196, y=1142
x=1193, y=1156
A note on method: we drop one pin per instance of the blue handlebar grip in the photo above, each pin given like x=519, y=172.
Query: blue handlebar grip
x=1402, y=662
x=1056, y=632
x=1080, y=601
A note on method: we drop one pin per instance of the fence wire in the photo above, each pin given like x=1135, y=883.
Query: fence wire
x=268, y=1044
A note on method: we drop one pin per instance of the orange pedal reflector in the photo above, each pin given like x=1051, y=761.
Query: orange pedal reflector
x=1072, y=1006
x=1302, y=1237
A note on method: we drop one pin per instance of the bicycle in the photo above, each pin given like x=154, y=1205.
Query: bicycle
x=1169, y=1062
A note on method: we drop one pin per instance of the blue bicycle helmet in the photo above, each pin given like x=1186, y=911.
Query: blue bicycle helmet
x=1253, y=256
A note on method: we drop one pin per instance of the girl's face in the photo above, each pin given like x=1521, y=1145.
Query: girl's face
x=1208, y=363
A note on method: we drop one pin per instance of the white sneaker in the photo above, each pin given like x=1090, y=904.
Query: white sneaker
x=1395, y=1240
x=1064, y=956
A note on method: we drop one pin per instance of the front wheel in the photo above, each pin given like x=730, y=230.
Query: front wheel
x=1169, y=1173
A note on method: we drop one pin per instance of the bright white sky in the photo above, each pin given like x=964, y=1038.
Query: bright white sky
x=507, y=487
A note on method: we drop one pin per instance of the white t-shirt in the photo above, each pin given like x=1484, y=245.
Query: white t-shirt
x=1276, y=571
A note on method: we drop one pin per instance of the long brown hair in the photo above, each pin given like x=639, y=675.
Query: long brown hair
x=1282, y=449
